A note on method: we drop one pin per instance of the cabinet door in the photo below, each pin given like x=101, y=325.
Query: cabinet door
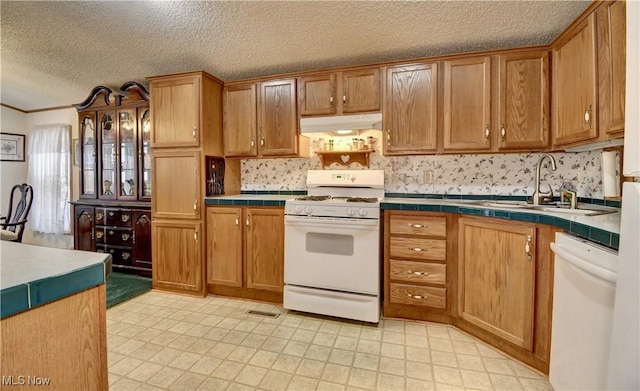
x=317, y=95
x=411, y=109
x=88, y=155
x=144, y=145
x=611, y=37
x=141, y=240
x=107, y=163
x=177, y=262
x=264, y=251
x=523, y=101
x=176, y=184
x=175, y=110
x=240, y=120
x=574, y=86
x=83, y=236
x=127, y=157
x=224, y=246
x=467, y=104
x=278, y=120
x=496, y=278
x=361, y=90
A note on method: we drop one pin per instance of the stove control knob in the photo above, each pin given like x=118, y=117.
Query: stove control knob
x=297, y=209
x=308, y=210
x=362, y=212
x=350, y=212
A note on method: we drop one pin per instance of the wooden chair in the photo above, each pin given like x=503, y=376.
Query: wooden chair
x=12, y=225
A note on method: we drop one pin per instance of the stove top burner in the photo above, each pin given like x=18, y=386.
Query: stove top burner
x=313, y=198
x=361, y=199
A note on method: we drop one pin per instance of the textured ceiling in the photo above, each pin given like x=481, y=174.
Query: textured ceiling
x=54, y=53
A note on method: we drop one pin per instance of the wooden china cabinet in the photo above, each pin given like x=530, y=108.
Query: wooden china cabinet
x=113, y=214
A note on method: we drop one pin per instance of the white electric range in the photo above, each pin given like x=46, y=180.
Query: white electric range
x=332, y=245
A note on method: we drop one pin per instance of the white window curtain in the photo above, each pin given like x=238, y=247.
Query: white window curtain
x=49, y=157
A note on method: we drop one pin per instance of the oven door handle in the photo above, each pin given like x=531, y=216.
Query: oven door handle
x=329, y=222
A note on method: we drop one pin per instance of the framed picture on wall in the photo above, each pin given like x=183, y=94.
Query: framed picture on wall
x=12, y=147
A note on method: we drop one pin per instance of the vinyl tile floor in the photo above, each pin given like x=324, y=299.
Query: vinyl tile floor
x=160, y=341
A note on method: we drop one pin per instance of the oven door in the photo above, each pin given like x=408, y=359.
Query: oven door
x=332, y=253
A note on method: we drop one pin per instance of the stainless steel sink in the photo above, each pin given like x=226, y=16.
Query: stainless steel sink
x=580, y=211
x=505, y=204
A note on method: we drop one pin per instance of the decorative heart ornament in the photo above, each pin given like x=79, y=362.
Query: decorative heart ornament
x=345, y=158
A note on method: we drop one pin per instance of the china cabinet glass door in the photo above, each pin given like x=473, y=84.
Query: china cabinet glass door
x=145, y=147
x=128, y=154
x=108, y=150
x=88, y=155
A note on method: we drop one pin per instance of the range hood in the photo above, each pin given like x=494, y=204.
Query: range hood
x=341, y=122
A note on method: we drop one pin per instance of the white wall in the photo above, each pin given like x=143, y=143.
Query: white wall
x=12, y=121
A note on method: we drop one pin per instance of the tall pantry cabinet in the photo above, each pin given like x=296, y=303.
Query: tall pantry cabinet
x=186, y=115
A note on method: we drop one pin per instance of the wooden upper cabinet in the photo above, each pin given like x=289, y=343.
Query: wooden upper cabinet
x=277, y=120
x=177, y=191
x=574, y=85
x=467, y=104
x=611, y=37
x=523, y=101
x=240, y=120
x=224, y=246
x=265, y=249
x=496, y=278
x=175, y=111
x=348, y=92
x=318, y=95
x=411, y=109
x=361, y=90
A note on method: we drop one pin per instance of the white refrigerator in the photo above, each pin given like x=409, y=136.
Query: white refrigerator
x=624, y=362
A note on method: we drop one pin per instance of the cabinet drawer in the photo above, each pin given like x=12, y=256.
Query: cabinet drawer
x=430, y=273
x=120, y=255
x=110, y=216
x=418, y=295
x=418, y=248
x=424, y=226
x=112, y=235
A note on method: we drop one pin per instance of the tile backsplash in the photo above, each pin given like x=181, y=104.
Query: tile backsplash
x=485, y=174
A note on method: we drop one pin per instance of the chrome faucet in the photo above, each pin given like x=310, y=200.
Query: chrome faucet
x=538, y=197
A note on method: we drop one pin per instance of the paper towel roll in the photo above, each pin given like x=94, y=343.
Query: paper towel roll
x=610, y=183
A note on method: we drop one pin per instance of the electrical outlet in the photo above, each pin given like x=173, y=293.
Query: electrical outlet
x=428, y=177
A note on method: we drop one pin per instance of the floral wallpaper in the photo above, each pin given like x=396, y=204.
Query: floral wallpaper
x=481, y=174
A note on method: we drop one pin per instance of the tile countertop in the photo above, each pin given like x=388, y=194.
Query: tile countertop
x=34, y=275
x=603, y=229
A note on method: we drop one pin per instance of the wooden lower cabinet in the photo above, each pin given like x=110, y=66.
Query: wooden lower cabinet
x=496, y=278
x=177, y=249
x=245, y=252
x=417, y=285
x=493, y=278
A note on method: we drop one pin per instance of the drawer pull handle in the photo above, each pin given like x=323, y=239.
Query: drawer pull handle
x=99, y=216
x=416, y=249
x=124, y=218
x=412, y=225
x=99, y=234
x=416, y=296
x=125, y=237
x=418, y=273
x=126, y=255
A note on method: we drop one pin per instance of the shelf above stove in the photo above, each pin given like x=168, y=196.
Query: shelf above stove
x=344, y=158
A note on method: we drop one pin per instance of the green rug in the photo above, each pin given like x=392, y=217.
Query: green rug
x=122, y=287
